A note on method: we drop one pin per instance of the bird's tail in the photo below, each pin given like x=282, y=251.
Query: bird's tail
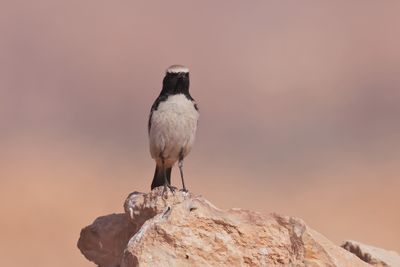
x=158, y=179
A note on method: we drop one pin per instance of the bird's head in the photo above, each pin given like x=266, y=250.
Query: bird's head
x=176, y=80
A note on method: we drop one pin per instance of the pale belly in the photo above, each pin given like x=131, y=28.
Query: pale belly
x=173, y=129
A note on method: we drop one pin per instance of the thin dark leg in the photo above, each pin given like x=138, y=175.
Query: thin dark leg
x=166, y=183
x=165, y=177
x=180, y=165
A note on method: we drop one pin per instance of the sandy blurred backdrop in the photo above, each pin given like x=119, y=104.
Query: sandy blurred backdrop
x=300, y=113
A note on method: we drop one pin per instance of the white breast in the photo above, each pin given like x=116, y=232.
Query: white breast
x=173, y=129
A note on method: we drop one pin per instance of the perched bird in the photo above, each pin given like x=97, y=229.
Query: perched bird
x=172, y=126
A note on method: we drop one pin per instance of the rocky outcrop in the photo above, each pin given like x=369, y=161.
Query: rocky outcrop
x=104, y=241
x=182, y=229
x=373, y=255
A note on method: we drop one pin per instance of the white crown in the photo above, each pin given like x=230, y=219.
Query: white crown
x=177, y=69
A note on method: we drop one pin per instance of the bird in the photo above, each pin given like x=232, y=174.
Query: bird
x=172, y=126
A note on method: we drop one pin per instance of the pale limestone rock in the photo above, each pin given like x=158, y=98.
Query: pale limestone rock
x=182, y=229
x=104, y=241
x=373, y=255
x=189, y=231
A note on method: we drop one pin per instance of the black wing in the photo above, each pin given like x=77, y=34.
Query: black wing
x=195, y=105
x=188, y=96
x=154, y=107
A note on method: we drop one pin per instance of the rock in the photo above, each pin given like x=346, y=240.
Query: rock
x=182, y=229
x=104, y=241
x=372, y=255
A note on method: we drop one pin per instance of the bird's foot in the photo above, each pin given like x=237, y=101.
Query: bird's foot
x=184, y=190
x=170, y=187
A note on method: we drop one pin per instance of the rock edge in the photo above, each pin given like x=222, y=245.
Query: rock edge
x=183, y=229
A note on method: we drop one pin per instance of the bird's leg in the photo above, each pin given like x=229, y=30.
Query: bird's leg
x=166, y=183
x=180, y=165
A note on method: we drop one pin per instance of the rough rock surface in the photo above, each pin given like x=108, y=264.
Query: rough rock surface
x=373, y=255
x=104, y=241
x=185, y=230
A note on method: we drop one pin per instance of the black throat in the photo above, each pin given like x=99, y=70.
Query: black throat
x=173, y=84
x=176, y=83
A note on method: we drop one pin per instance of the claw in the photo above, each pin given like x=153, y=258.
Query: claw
x=170, y=187
x=184, y=190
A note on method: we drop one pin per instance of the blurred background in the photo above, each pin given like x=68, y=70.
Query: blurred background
x=300, y=114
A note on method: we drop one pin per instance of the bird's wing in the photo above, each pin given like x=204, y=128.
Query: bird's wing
x=195, y=105
x=154, y=107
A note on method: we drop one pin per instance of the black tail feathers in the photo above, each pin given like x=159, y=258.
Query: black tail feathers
x=158, y=179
